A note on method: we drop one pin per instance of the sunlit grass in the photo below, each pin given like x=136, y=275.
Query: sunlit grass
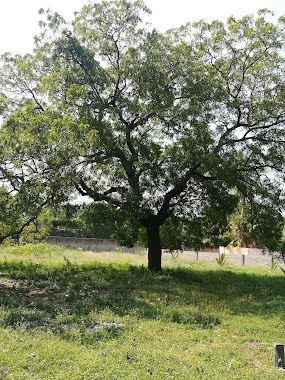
x=80, y=315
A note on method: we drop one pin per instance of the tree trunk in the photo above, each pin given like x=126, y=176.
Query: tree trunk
x=154, y=247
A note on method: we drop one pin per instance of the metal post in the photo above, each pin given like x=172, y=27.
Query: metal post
x=278, y=355
x=243, y=260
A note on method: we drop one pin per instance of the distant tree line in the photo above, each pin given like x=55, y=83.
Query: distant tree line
x=245, y=226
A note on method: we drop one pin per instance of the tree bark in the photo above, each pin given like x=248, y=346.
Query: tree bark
x=154, y=246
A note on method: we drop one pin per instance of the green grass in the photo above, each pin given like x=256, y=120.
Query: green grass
x=80, y=315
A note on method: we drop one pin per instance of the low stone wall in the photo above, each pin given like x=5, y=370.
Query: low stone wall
x=87, y=244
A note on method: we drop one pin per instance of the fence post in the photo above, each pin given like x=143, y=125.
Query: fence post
x=278, y=355
x=243, y=259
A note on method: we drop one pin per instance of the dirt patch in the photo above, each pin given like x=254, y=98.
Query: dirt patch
x=254, y=344
x=8, y=284
x=44, y=295
x=37, y=295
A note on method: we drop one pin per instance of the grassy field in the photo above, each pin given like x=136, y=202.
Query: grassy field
x=80, y=315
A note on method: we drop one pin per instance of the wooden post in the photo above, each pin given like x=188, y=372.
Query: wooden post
x=278, y=355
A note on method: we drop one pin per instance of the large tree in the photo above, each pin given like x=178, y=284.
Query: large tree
x=155, y=124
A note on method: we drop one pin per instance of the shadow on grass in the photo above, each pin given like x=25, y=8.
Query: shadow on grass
x=95, y=302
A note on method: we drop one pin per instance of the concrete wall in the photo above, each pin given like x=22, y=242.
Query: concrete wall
x=245, y=256
x=231, y=258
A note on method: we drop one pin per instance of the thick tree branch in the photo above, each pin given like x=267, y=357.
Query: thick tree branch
x=26, y=224
x=85, y=190
x=180, y=186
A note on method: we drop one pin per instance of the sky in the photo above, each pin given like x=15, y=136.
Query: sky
x=19, y=18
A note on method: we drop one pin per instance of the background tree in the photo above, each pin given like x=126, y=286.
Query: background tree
x=256, y=223
x=94, y=220
x=154, y=124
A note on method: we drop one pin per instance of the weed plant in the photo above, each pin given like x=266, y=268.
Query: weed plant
x=80, y=315
x=221, y=260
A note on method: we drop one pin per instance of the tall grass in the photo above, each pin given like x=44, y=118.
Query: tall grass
x=77, y=315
